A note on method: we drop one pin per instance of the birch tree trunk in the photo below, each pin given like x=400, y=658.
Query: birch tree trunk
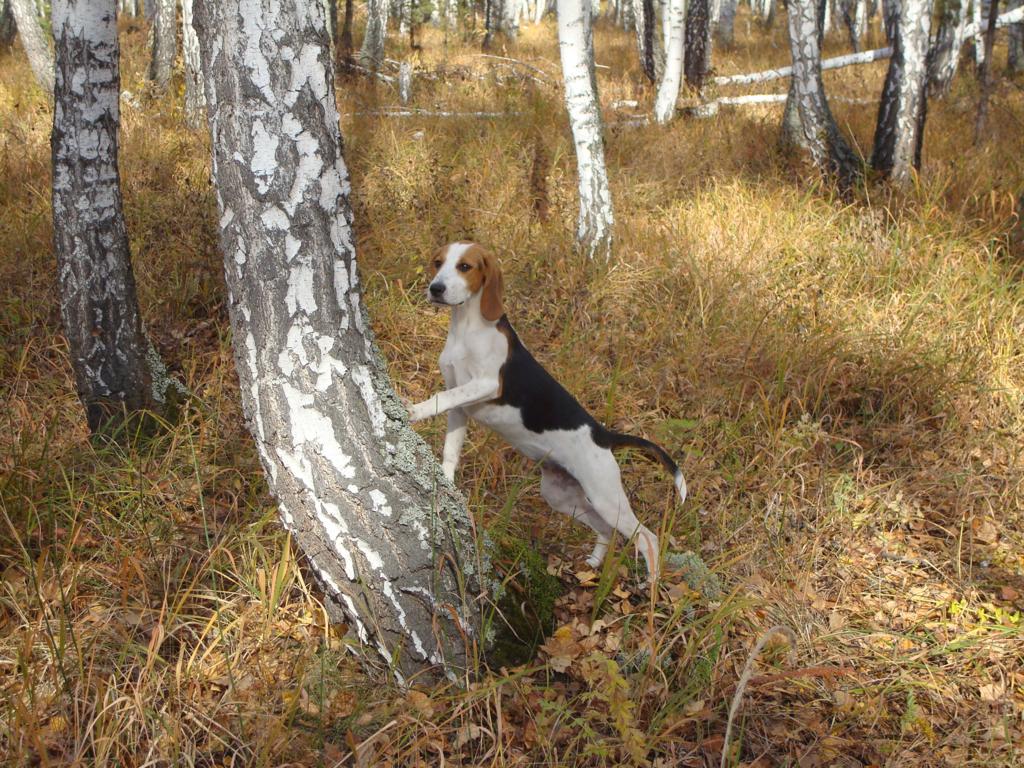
x=645, y=24
x=820, y=134
x=668, y=90
x=576, y=46
x=165, y=43
x=362, y=495
x=985, y=73
x=195, y=99
x=697, y=62
x=344, y=49
x=1015, y=43
x=944, y=54
x=977, y=16
x=8, y=29
x=900, y=126
x=371, y=54
x=34, y=42
x=116, y=371
x=726, y=22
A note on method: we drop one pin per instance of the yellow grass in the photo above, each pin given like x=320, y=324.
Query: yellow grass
x=842, y=381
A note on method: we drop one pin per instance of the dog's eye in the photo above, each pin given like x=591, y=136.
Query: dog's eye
x=464, y=267
x=437, y=264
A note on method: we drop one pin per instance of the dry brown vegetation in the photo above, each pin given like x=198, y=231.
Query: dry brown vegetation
x=844, y=379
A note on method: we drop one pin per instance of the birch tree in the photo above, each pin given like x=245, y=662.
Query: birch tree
x=820, y=135
x=371, y=54
x=944, y=54
x=697, y=62
x=668, y=89
x=116, y=371
x=195, y=99
x=8, y=29
x=901, y=109
x=726, y=22
x=645, y=25
x=386, y=533
x=165, y=43
x=1015, y=42
x=34, y=42
x=576, y=47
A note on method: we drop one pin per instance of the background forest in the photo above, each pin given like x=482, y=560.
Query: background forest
x=838, y=368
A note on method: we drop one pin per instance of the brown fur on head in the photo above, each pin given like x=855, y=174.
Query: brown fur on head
x=464, y=269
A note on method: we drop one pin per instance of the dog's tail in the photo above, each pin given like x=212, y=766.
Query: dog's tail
x=615, y=440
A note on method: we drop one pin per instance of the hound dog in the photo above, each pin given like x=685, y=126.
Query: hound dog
x=490, y=376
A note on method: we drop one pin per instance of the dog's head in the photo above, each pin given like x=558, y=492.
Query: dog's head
x=460, y=271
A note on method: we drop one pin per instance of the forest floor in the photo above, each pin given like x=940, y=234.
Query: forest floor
x=843, y=382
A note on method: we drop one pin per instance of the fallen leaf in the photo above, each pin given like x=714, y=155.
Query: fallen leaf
x=992, y=691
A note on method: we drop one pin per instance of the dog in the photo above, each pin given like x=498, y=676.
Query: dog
x=491, y=377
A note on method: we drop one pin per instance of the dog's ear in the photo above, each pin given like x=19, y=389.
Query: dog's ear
x=492, y=305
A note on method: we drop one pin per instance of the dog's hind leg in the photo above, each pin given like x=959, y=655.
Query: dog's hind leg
x=564, y=494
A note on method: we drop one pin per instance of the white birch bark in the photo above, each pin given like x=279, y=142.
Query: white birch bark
x=115, y=370
x=195, y=98
x=165, y=43
x=576, y=46
x=386, y=533
x=671, y=78
x=819, y=133
x=371, y=54
x=977, y=8
x=30, y=33
x=901, y=107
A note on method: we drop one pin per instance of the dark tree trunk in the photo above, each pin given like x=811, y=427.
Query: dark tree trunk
x=985, y=74
x=387, y=535
x=697, y=63
x=900, y=126
x=165, y=43
x=1015, y=43
x=109, y=351
x=646, y=24
x=726, y=22
x=345, y=41
x=820, y=134
x=8, y=29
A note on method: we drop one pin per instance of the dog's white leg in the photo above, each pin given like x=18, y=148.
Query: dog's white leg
x=564, y=494
x=602, y=485
x=475, y=391
x=453, y=440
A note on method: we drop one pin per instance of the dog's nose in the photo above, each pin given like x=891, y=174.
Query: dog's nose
x=436, y=289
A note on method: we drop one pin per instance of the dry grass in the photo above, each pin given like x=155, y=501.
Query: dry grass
x=844, y=381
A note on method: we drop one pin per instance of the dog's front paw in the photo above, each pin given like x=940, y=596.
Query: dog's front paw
x=418, y=412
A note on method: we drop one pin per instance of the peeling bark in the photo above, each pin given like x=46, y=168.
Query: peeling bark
x=34, y=42
x=387, y=535
x=697, y=63
x=901, y=109
x=109, y=353
x=819, y=134
x=195, y=98
x=165, y=43
x=944, y=54
x=371, y=55
x=576, y=46
x=668, y=89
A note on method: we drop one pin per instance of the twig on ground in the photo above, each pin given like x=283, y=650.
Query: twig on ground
x=748, y=670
